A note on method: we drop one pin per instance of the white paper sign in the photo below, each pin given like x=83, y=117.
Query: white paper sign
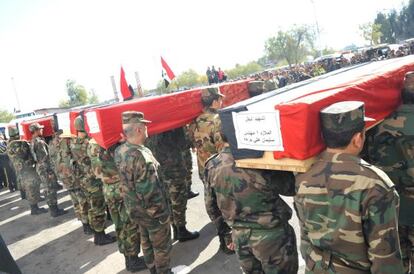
x=63, y=121
x=92, y=121
x=258, y=130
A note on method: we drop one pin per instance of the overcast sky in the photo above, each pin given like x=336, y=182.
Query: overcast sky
x=45, y=42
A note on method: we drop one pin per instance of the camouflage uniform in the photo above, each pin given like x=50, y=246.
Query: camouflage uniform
x=269, y=85
x=64, y=168
x=90, y=185
x=40, y=153
x=204, y=132
x=250, y=203
x=347, y=208
x=145, y=199
x=205, y=135
x=104, y=168
x=188, y=160
x=168, y=151
x=393, y=151
x=22, y=160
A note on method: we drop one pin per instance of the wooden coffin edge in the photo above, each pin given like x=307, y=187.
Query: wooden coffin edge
x=286, y=164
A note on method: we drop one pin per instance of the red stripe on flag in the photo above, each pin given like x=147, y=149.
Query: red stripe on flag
x=126, y=93
x=167, y=69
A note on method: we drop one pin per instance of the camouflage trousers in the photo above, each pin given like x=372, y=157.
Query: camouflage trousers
x=96, y=201
x=177, y=197
x=80, y=204
x=30, y=183
x=48, y=179
x=156, y=245
x=406, y=234
x=189, y=168
x=270, y=251
x=127, y=232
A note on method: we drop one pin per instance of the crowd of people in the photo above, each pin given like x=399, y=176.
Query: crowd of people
x=215, y=76
x=348, y=209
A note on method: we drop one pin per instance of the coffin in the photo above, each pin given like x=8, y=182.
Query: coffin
x=281, y=130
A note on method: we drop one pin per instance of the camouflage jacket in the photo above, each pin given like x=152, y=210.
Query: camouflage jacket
x=269, y=85
x=103, y=164
x=249, y=197
x=167, y=149
x=21, y=157
x=64, y=163
x=81, y=161
x=348, y=212
x=205, y=135
x=53, y=151
x=392, y=150
x=141, y=188
x=40, y=152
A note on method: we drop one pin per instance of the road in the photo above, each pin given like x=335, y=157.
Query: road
x=42, y=245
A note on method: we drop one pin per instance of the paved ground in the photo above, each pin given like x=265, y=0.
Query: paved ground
x=43, y=245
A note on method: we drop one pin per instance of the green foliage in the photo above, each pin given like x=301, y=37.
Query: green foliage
x=371, y=32
x=396, y=25
x=5, y=116
x=244, y=70
x=78, y=95
x=292, y=45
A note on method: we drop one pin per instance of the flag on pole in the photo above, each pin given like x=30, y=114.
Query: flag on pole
x=125, y=90
x=167, y=73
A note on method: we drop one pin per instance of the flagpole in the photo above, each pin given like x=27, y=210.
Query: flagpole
x=114, y=88
x=15, y=94
x=139, y=88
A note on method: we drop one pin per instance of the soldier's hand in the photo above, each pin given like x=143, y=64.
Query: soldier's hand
x=231, y=246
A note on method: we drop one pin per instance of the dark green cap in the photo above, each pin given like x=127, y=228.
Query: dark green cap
x=210, y=93
x=132, y=117
x=344, y=116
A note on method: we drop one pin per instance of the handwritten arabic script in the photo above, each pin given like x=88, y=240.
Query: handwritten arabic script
x=258, y=131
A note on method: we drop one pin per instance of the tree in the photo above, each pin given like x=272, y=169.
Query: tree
x=244, y=70
x=388, y=33
x=5, y=116
x=78, y=95
x=292, y=45
x=371, y=32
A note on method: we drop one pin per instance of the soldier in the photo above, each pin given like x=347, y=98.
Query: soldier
x=393, y=151
x=63, y=162
x=90, y=185
x=205, y=135
x=168, y=151
x=40, y=153
x=188, y=159
x=127, y=231
x=269, y=83
x=22, y=160
x=347, y=208
x=250, y=203
x=6, y=168
x=143, y=193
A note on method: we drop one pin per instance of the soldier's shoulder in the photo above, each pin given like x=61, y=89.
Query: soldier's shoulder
x=375, y=175
x=212, y=161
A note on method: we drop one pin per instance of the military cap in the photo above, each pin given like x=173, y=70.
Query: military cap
x=13, y=131
x=35, y=126
x=132, y=117
x=344, y=116
x=79, y=124
x=210, y=93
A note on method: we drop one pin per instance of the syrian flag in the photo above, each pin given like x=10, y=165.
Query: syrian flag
x=126, y=91
x=167, y=73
